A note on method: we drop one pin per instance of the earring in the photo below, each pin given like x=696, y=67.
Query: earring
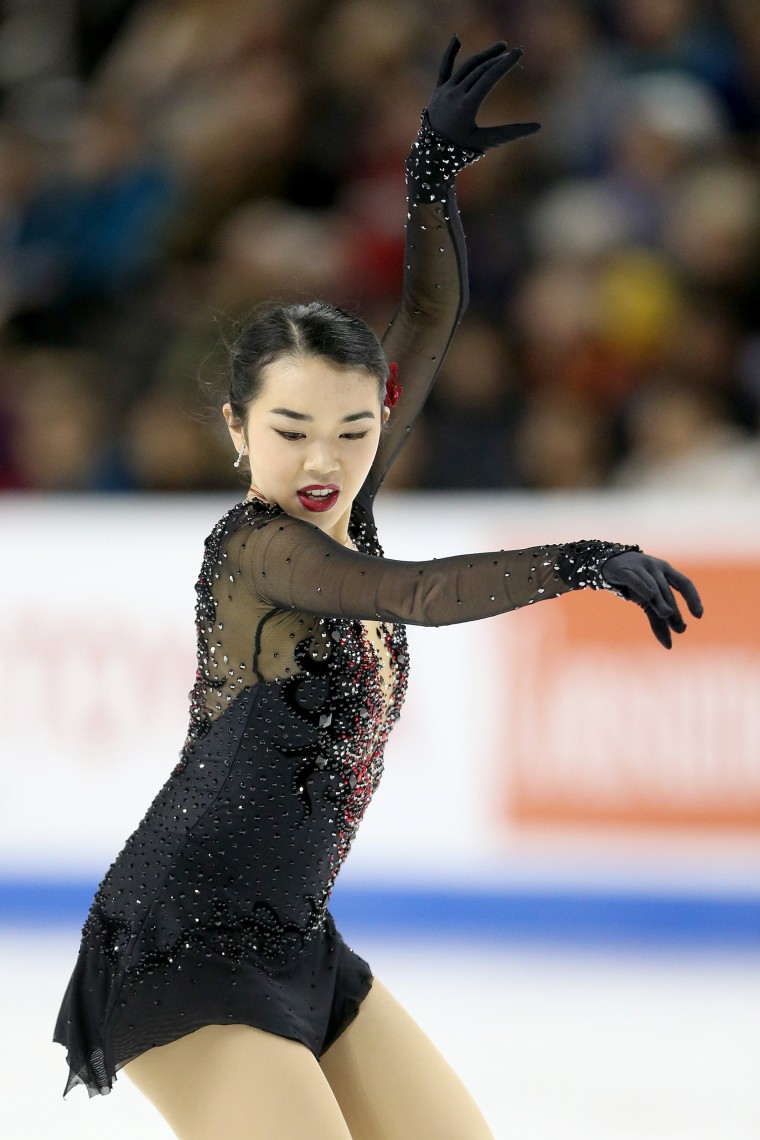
x=240, y=456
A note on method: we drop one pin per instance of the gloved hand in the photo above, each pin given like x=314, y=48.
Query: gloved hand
x=647, y=581
x=457, y=98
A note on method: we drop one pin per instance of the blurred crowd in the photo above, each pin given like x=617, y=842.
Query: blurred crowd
x=166, y=164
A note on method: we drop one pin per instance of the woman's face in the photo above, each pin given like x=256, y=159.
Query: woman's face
x=312, y=426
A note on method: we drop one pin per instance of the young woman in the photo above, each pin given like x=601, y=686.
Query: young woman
x=210, y=968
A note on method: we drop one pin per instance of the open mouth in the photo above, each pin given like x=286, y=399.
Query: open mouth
x=318, y=498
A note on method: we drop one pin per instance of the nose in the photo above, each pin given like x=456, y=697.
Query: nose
x=321, y=463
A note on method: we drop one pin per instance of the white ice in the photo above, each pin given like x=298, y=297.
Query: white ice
x=554, y=1044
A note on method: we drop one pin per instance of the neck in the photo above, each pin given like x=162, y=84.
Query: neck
x=342, y=538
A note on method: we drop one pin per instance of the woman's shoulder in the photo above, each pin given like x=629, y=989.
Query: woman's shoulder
x=247, y=513
x=237, y=522
x=362, y=528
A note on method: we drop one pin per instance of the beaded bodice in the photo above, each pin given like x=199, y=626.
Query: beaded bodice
x=242, y=641
x=342, y=690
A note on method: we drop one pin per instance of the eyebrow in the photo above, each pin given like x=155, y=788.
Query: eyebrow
x=301, y=416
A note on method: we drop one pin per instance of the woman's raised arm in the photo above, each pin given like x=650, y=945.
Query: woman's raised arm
x=435, y=261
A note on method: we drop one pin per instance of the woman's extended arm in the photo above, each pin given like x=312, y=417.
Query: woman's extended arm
x=433, y=301
x=292, y=564
x=435, y=259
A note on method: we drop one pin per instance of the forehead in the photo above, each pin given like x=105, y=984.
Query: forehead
x=315, y=380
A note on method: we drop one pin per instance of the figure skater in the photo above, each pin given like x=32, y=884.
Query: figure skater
x=210, y=968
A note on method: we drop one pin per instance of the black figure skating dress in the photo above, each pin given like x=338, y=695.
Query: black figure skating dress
x=215, y=911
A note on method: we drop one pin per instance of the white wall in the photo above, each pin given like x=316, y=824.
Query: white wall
x=559, y=745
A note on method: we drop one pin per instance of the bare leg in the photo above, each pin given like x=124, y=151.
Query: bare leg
x=234, y=1082
x=391, y=1081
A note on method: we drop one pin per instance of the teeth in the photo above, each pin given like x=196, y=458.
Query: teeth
x=319, y=494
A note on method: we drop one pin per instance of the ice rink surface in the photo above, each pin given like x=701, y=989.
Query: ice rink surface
x=554, y=1043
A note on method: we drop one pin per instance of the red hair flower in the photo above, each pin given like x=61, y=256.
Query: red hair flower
x=392, y=387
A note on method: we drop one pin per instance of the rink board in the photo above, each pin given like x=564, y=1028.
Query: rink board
x=557, y=752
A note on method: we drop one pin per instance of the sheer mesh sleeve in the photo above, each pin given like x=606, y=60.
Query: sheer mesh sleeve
x=293, y=565
x=435, y=286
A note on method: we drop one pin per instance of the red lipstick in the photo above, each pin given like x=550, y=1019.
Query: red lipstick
x=318, y=501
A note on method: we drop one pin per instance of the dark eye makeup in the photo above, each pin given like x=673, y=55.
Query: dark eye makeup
x=295, y=435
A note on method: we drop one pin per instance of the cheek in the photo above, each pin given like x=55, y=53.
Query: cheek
x=367, y=450
x=270, y=447
x=368, y=458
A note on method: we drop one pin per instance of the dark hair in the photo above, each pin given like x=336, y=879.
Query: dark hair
x=274, y=330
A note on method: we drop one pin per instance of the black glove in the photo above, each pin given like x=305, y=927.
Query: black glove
x=456, y=100
x=645, y=580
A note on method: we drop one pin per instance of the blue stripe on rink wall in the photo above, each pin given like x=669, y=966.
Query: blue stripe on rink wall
x=507, y=915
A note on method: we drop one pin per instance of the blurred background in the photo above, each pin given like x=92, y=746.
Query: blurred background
x=561, y=876
x=165, y=165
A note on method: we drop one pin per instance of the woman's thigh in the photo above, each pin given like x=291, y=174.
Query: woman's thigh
x=390, y=1080
x=234, y=1082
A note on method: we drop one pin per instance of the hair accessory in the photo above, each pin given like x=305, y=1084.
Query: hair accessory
x=240, y=456
x=392, y=387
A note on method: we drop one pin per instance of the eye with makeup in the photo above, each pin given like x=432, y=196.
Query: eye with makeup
x=293, y=436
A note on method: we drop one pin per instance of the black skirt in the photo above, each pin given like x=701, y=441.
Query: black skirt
x=311, y=998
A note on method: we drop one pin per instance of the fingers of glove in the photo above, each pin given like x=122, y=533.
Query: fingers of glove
x=673, y=615
x=486, y=137
x=483, y=78
x=447, y=62
x=652, y=595
x=686, y=587
x=474, y=61
x=660, y=628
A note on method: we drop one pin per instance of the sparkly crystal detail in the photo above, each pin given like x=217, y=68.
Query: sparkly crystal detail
x=433, y=164
x=580, y=563
x=205, y=616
